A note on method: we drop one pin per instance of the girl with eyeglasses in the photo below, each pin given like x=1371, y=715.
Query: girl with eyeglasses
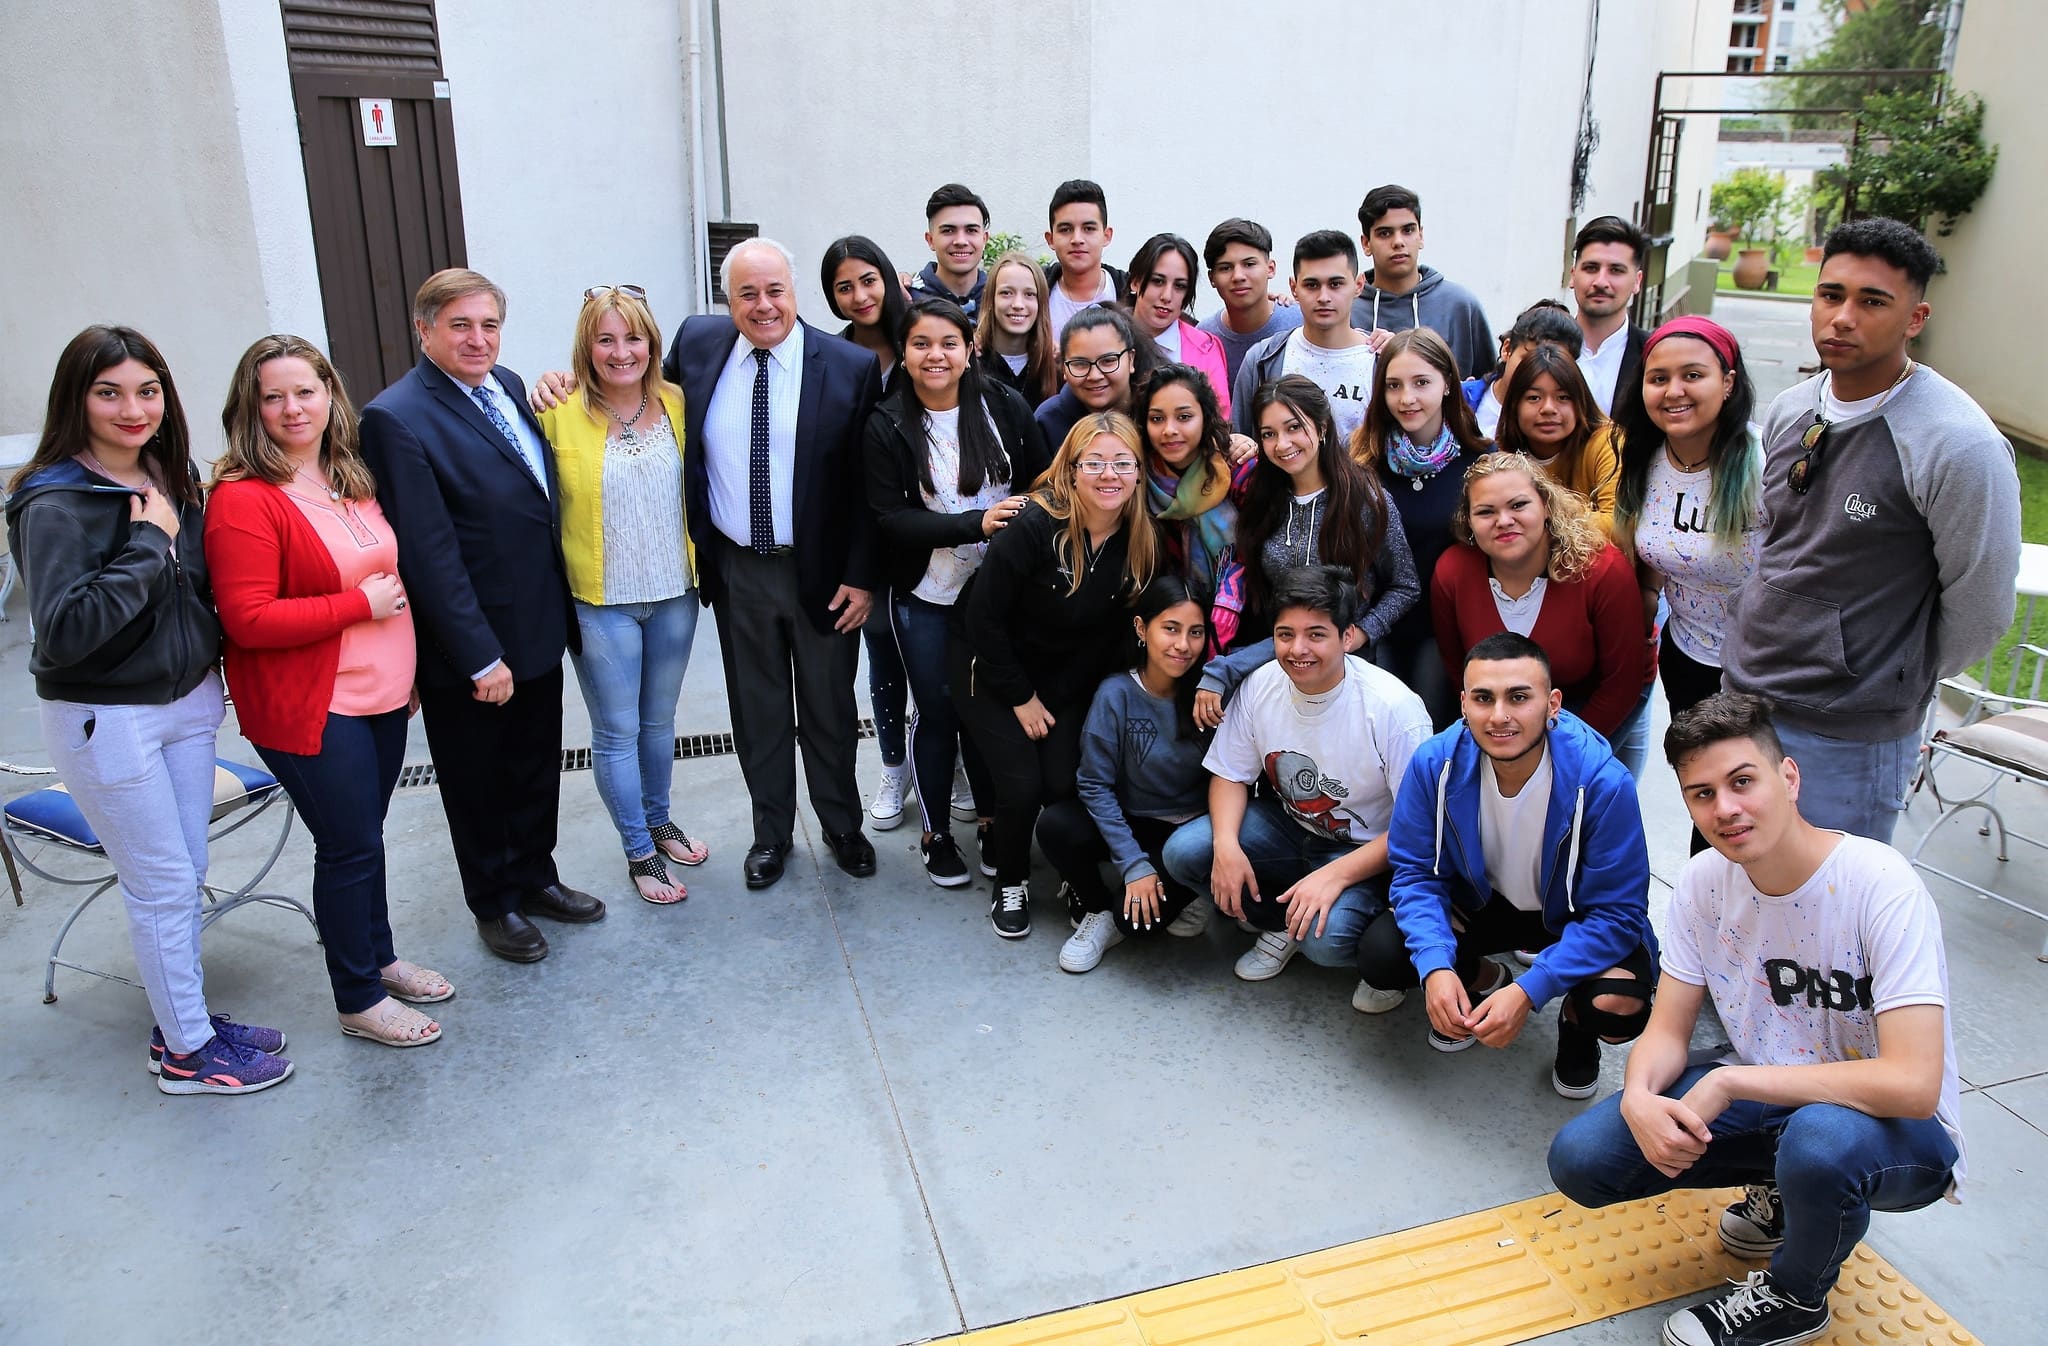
x=618, y=446
x=1102, y=354
x=1012, y=333
x=949, y=452
x=1040, y=625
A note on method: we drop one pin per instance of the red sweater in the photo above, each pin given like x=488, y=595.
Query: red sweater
x=282, y=609
x=1592, y=629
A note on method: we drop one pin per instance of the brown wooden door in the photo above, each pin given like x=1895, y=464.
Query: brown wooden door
x=385, y=217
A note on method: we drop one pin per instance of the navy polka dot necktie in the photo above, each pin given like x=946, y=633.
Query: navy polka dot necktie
x=760, y=502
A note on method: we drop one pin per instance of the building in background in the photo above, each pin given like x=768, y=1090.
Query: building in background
x=220, y=169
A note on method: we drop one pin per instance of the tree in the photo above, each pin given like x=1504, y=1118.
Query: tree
x=1918, y=162
x=1877, y=35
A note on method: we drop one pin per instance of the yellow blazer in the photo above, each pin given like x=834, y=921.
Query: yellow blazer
x=577, y=439
x=1595, y=476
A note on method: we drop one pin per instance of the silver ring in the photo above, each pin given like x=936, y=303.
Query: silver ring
x=400, y=607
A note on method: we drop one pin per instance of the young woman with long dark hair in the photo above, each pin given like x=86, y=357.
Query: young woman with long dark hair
x=1191, y=484
x=1548, y=413
x=1159, y=291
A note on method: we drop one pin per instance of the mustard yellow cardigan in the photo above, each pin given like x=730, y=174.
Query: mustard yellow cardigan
x=577, y=439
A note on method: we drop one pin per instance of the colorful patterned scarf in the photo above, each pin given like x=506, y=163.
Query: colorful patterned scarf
x=1410, y=461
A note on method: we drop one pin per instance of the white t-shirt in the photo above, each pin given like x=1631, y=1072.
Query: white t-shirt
x=1487, y=413
x=1334, y=759
x=1800, y=979
x=1519, y=614
x=1345, y=375
x=1701, y=571
x=1016, y=362
x=1511, y=833
x=1602, y=368
x=1059, y=308
x=951, y=567
x=1834, y=409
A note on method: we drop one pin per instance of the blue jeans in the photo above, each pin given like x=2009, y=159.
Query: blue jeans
x=342, y=793
x=888, y=690
x=1858, y=788
x=1833, y=1166
x=919, y=647
x=631, y=671
x=1281, y=852
x=143, y=777
x=1630, y=741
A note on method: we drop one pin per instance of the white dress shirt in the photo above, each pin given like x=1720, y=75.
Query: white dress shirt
x=531, y=446
x=728, y=437
x=1602, y=367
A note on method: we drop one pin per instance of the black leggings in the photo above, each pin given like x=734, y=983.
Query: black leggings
x=1068, y=836
x=1499, y=927
x=1687, y=682
x=1027, y=773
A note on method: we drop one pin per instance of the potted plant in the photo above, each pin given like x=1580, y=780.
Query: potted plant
x=1720, y=242
x=1749, y=199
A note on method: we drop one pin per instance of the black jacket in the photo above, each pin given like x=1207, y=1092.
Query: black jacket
x=910, y=529
x=1116, y=277
x=123, y=614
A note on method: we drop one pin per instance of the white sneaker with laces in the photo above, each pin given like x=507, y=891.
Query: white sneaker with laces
x=1266, y=959
x=887, y=810
x=1084, y=948
x=1370, y=999
x=1193, y=918
x=962, y=802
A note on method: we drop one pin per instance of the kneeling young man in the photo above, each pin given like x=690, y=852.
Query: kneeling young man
x=1330, y=735
x=1822, y=953
x=1518, y=829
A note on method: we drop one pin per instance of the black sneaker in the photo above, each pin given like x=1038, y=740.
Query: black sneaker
x=1009, y=911
x=942, y=862
x=1072, y=900
x=981, y=851
x=1577, y=1071
x=1755, y=1226
x=1752, y=1314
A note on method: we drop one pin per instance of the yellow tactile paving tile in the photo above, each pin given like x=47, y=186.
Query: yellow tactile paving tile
x=1500, y=1276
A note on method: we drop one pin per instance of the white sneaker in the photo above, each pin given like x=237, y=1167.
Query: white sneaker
x=1266, y=959
x=1193, y=918
x=963, y=795
x=1370, y=999
x=887, y=810
x=1084, y=948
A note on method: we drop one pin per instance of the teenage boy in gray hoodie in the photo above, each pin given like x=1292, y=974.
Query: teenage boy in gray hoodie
x=1891, y=538
x=1401, y=293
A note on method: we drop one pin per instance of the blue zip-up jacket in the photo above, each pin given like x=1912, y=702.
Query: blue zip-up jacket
x=1596, y=866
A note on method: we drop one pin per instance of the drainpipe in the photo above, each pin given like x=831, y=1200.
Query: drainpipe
x=699, y=191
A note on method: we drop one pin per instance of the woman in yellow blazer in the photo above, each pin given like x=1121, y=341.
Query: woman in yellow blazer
x=1549, y=413
x=618, y=446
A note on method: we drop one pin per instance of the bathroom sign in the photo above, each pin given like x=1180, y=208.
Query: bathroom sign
x=379, y=127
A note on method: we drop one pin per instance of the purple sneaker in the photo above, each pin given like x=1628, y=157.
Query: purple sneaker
x=221, y=1067
x=267, y=1040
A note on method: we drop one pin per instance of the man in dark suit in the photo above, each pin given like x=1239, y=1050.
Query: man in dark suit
x=774, y=411
x=467, y=481
x=1607, y=270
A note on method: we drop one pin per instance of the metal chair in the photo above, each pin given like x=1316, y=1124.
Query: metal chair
x=47, y=821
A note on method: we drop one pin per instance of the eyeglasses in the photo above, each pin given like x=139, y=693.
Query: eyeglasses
x=1095, y=467
x=1077, y=368
x=630, y=291
x=1807, y=464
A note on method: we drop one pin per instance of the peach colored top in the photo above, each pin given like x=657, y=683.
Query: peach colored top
x=377, y=657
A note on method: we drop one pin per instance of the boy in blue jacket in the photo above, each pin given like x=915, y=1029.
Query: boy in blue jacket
x=1518, y=829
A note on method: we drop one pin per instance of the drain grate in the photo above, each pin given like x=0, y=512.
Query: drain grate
x=688, y=746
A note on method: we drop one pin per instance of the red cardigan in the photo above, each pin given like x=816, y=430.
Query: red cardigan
x=282, y=609
x=1592, y=629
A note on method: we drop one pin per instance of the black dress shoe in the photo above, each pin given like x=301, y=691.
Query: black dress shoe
x=513, y=938
x=854, y=852
x=558, y=903
x=763, y=865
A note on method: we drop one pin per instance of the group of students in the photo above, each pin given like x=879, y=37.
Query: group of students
x=1276, y=614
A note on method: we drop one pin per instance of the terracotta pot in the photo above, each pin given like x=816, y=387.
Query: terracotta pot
x=1813, y=254
x=1751, y=266
x=1719, y=244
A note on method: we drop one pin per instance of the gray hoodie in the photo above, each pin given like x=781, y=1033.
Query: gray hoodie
x=1444, y=306
x=1893, y=571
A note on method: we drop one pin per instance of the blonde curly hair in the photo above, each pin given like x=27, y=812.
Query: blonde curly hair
x=1575, y=538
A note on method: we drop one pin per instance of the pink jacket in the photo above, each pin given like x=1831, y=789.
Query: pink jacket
x=1205, y=353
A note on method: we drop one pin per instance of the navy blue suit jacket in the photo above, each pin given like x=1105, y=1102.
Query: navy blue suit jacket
x=832, y=527
x=479, y=542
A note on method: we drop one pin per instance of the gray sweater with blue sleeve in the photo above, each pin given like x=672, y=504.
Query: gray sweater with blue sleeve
x=1893, y=571
x=1136, y=762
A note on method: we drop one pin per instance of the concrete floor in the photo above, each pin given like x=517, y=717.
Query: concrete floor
x=840, y=1111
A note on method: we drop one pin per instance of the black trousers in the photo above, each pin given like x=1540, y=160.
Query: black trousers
x=1027, y=773
x=500, y=772
x=1687, y=682
x=788, y=683
x=1068, y=836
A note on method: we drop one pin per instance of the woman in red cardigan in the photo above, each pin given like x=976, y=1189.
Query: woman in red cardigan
x=320, y=657
x=1530, y=559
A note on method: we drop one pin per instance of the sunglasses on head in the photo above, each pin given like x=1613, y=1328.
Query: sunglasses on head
x=1807, y=465
x=630, y=291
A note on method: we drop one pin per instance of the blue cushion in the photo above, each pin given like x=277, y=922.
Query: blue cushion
x=53, y=814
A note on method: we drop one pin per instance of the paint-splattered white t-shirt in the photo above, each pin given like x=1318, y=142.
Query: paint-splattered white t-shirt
x=1800, y=979
x=1701, y=570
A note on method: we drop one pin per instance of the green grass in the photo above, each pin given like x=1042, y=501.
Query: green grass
x=2033, y=528
x=1799, y=279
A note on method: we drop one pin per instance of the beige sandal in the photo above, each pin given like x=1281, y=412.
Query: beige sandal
x=393, y=1024
x=416, y=985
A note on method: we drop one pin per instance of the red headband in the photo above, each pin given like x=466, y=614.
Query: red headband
x=1705, y=329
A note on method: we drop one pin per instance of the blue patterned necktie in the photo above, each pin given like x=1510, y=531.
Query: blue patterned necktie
x=496, y=417
x=760, y=502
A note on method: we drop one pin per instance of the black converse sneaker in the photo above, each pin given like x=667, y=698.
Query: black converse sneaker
x=1009, y=911
x=1752, y=1314
x=1754, y=1226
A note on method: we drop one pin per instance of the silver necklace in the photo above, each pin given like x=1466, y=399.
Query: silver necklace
x=628, y=436
x=101, y=468
x=324, y=487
